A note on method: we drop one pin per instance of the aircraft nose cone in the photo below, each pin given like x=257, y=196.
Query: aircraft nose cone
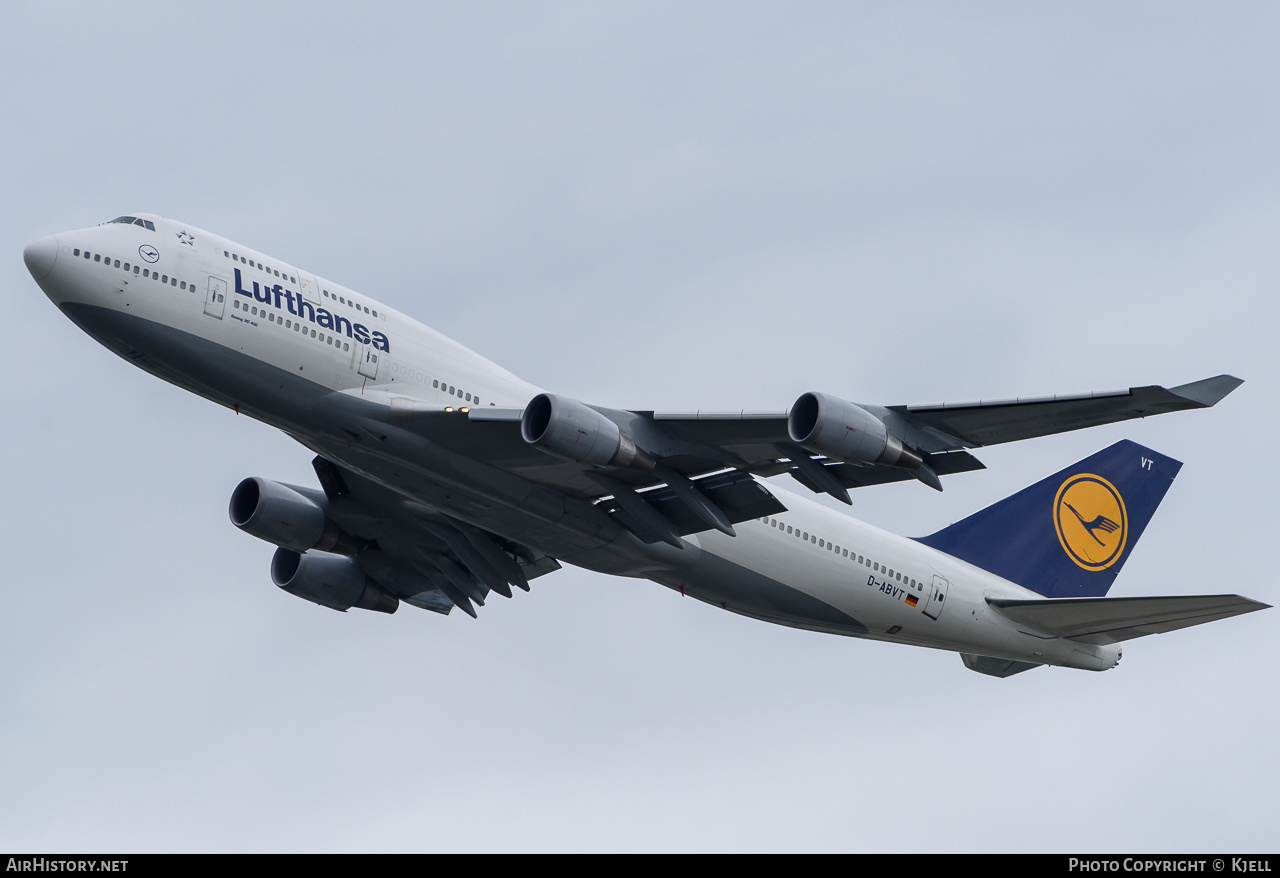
x=40, y=256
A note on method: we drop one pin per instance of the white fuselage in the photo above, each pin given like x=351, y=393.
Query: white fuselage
x=180, y=302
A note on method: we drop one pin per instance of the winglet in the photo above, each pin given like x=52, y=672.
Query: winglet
x=1209, y=391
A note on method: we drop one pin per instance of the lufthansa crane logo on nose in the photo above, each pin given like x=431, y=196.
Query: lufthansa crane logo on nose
x=149, y=253
x=1091, y=522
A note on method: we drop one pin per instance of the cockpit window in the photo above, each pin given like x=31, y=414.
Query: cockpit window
x=133, y=220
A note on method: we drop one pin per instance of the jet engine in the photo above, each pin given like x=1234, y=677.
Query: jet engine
x=285, y=517
x=842, y=430
x=567, y=429
x=334, y=581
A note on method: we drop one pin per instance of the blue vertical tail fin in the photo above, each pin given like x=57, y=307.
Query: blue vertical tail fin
x=1068, y=535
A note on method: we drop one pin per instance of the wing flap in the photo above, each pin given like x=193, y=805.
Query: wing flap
x=1111, y=620
x=735, y=493
x=996, y=667
x=423, y=557
x=944, y=464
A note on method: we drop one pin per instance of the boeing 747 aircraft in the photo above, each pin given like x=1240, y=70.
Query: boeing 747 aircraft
x=444, y=479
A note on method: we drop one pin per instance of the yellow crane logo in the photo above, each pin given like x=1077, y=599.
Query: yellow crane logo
x=1090, y=519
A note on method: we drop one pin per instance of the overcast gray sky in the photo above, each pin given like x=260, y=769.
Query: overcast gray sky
x=648, y=205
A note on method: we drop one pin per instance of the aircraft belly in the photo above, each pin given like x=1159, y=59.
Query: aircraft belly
x=810, y=587
x=214, y=371
x=731, y=586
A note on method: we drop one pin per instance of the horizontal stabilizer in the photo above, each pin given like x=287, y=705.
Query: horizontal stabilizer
x=1111, y=620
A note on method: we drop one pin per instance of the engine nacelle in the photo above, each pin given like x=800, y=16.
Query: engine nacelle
x=567, y=429
x=334, y=581
x=280, y=515
x=842, y=430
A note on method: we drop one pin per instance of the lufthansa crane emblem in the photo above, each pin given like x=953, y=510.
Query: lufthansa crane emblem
x=148, y=253
x=1090, y=518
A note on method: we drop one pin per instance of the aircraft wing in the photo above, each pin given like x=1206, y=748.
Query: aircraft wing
x=974, y=424
x=423, y=557
x=952, y=426
x=695, y=469
x=694, y=445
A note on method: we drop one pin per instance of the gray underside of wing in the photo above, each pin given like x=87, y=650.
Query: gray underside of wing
x=422, y=556
x=700, y=442
x=947, y=463
x=974, y=424
x=1111, y=620
x=751, y=437
x=703, y=445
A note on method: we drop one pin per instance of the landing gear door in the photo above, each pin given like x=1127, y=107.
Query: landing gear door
x=369, y=361
x=935, y=598
x=215, y=298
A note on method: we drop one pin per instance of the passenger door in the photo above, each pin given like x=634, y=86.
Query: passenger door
x=368, y=355
x=215, y=299
x=934, y=599
x=308, y=287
